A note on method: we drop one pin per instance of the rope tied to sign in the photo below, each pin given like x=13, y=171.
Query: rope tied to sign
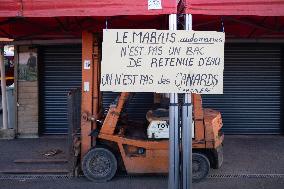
x=106, y=23
x=222, y=25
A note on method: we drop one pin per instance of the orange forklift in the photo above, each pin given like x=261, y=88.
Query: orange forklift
x=142, y=149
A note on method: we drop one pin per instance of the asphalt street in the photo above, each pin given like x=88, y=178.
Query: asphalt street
x=141, y=183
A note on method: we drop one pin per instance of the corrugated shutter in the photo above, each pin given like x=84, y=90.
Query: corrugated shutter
x=60, y=72
x=136, y=109
x=251, y=103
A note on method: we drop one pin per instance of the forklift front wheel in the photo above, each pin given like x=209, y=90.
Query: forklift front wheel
x=99, y=165
x=200, y=167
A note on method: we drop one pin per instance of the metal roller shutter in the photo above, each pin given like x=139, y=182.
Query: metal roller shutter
x=251, y=103
x=60, y=71
x=136, y=108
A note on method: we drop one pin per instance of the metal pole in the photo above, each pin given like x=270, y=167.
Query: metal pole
x=188, y=22
x=174, y=167
x=187, y=141
x=3, y=89
x=187, y=129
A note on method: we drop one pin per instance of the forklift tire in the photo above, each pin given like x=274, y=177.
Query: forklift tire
x=99, y=165
x=200, y=167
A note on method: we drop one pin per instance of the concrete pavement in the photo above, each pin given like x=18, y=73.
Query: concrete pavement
x=252, y=162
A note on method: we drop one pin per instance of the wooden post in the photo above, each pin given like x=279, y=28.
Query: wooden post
x=96, y=62
x=87, y=90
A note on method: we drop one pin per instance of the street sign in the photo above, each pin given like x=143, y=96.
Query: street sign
x=162, y=61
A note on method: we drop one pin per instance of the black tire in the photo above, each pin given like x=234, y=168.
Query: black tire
x=99, y=165
x=200, y=167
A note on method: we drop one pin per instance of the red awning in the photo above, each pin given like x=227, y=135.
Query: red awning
x=37, y=19
x=234, y=7
x=56, y=8
x=22, y=28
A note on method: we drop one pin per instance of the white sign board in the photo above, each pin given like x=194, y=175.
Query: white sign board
x=162, y=61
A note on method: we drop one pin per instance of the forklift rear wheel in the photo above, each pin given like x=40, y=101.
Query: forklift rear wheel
x=99, y=165
x=200, y=167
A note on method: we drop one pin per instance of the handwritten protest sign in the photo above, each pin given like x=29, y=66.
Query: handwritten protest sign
x=162, y=61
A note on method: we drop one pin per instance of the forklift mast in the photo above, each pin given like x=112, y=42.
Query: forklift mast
x=115, y=110
x=113, y=114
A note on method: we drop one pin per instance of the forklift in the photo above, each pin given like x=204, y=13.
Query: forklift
x=143, y=149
